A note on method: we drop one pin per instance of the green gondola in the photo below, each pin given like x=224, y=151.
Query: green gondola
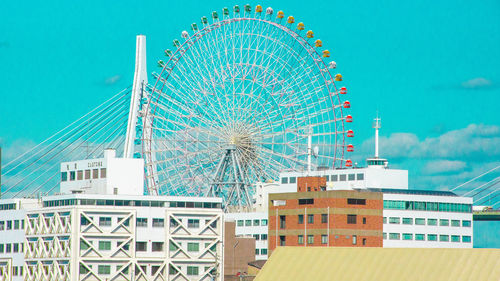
x=225, y=11
x=236, y=8
x=215, y=15
x=204, y=20
x=168, y=53
x=194, y=27
x=248, y=8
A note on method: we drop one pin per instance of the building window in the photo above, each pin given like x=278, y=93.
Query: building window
x=466, y=239
x=79, y=175
x=87, y=174
x=360, y=177
x=385, y=220
x=282, y=221
x=64, y=176
x=264, y=222
x=364, y=220
x=256, y=237
x=263, y=251
x=192, y=270
x=173, y=222
x=455, y=238
x=351, y=219
x=284, y=180
x=103, y=173
x=256, y=222
x=16, y=224
x=342, y=177
x=334, y=177
x=351, y=177
x=354, y=239
x=72, y=175
x=83, y=269
x=248, y=222
x=310, y=219
x=324, y=218
x=466, y=223
x=240, y=222
x=158, y=222
x=455, y=223
x=157, y=246
x=293, y=179
x=407, y=236
x=257, y=251
x=104, y=221
x=282, y=240
x=141, y=246
x=15, y=248
x=419, y=221
x=2, y=249
x=300, y=239
x=301, y=219
x=431, y=237
x=142, y=222
x=394, y=236
x=193, y=223
x=384, y=235
x=104, y=269
x=263, y=237
x=407, y=220
x=443, y=222
x=431, y=221
x=419, y=237
x=394, y=220
x=105, y=245
x=356, y=201
x=324, y=239
x=95, y=173
x=8, y=248
x=307, y=201
x=444, y=238
x=310, y=239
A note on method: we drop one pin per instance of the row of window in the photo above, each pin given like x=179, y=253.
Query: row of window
x=10, y=206
x=11, y=248
x=341, y=177
x=257, y=237
x=433, y=222
x=430, y=237
x=323, y=239
x=261, y=251
x=11, y=225
x=17, y=271
x=106, y=269
x=136, y=203
x=255, y=222
x=427, y=206
x=83, y=174
x=351, y=219
x=143, y=222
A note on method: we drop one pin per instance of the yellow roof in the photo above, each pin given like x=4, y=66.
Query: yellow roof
x=334, y=263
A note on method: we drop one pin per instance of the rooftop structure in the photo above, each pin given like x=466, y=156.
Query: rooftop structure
x=322, y=264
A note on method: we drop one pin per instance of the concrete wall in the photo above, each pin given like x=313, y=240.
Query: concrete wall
x=238, y=252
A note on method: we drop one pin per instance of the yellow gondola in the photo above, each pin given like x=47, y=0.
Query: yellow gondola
x=326, y=53
x=318, y=43
x=310, y=34
x=338, y=77
x=258, y=9
x=300, y=26
x=290, y=20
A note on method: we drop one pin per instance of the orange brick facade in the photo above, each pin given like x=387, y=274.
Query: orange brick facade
x=325, y=218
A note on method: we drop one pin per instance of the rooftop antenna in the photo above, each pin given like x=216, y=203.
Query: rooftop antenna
x=376, y=126
x=140, y=82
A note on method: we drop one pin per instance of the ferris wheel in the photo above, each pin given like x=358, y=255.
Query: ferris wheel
x=238, y=99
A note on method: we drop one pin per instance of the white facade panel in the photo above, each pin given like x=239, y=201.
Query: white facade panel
x=254, y=224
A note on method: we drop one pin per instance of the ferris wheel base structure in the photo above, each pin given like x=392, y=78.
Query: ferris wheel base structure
x=240, y=99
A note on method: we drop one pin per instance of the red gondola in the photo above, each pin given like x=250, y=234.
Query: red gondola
x=350, y=148
x=350, y=134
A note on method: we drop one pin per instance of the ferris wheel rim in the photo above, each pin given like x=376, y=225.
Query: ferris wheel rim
x=207, y=29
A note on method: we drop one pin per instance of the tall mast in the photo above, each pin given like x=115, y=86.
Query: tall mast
x=140, y=82
x=376, y=126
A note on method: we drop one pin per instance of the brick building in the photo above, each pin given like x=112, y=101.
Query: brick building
x=315, y=217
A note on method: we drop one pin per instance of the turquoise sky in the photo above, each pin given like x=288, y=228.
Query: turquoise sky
x=430, y=68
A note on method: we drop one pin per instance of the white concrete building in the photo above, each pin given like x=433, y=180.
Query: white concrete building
x=426, y=219
x=254, y=224
x=103, y=228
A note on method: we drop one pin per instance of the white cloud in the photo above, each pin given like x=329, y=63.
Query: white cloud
x=443, y=166
x=477, y=83
x=112, y=80
x=473, y=142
